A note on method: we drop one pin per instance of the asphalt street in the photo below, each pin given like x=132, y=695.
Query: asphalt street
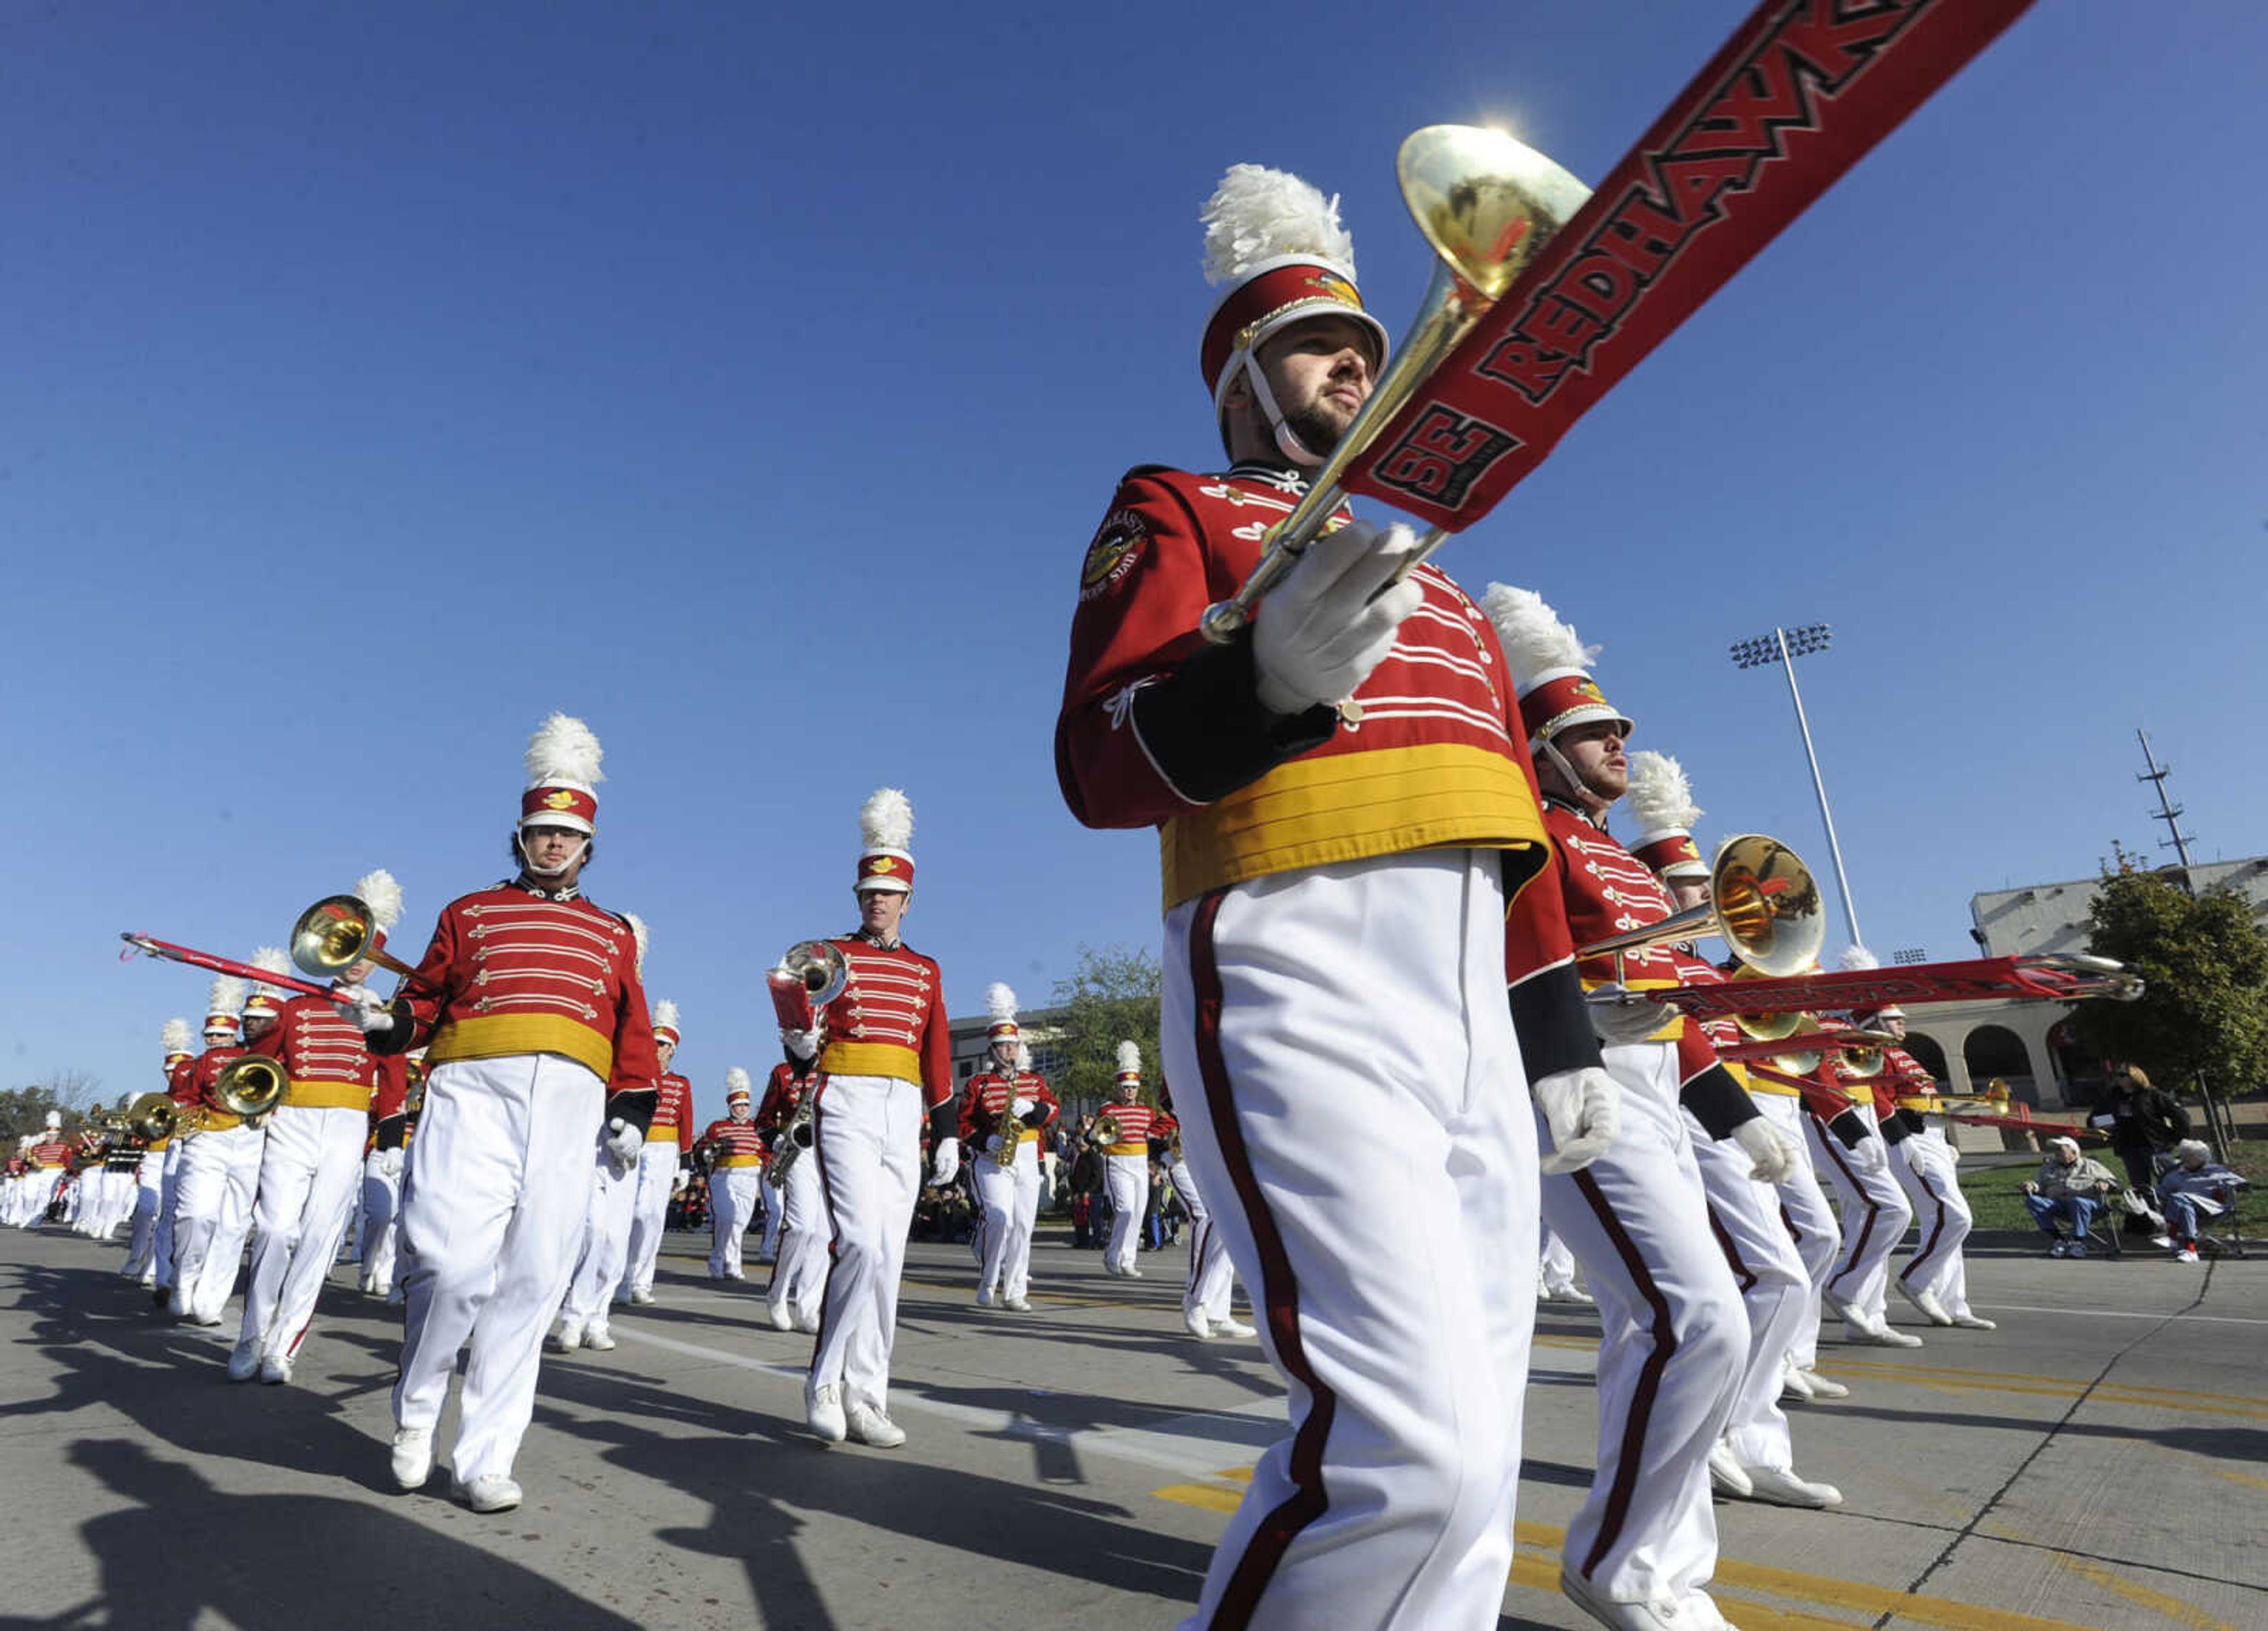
x=2100, y=1461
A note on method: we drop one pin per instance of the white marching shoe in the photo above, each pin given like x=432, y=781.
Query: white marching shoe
x=413, y=1457
x=599, y=1339
x=243, y=1360
x=1016, y=1305
x=1197, y=1325
x=567, y=1338
x=869, y=1426
x=490, y=1491
x=822, y=1408
x=808, y=1323
x=1726, y=1472
x=1232, y=1328
x=1976, y=1322
x=1769, y=1484
x=1883, y=1335
x=275, y=1368
x=641, y=1299
x=1651, y=1614
x=984, y=1298
x=1823, y=1387
x=1793, y=1384
x=1932, y=1309
x=780, y=1318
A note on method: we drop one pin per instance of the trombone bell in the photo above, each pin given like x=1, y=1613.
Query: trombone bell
x=250, y=1086
x=152, y=1116
x=823, y=968
x=331, y=936
x=1763, y=903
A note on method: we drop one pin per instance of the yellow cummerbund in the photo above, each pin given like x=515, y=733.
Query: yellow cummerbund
x=500, y=1036
x=666, y=1134
x=871, y=1059
x=740, y=1160
x=157, y=1146
x=1136, y=1147
x=327, y=1095
x=1925, y=1104
x=1762, y=1084
x=218, y=1121
x=1669, y=1032
x=1313, y=812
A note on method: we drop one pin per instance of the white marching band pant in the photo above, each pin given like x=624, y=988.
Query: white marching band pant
x=220, y=1174
x=1874, y=1216
x=605, y=1256
x=868, y=1150
x=799, y=1282
x=1211, y=1278
x=1809, y=1221
x=142, y=1238
x=382, y=1219
x=657, y=1181
x=774, y=1204
x=33, y=1194
x=732, y=1191
x=493, y=1210
x=1126, y=1180
x=1304, y=1012
x=169, y=1207
x=1010, y=1196
x=1775, y=1288
x=1927, y=1172
x=1673, y=1345
x=1555, y=1266
x=310, y=1172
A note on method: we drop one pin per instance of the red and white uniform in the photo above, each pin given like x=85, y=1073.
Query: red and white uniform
x=1926, y=1166
x=887, y=1063
x=310, y=1170
x=1874, y=1210
x=1334, y=961
x=1211, y=1285
x=1674, y=1339
x=796, y=1227
x=169, y=1182
x=388, y=1148
x=149, y=1246
x=1126, y=1180
x=619, y=1193
x=219, y=1176
x=668, y=1146
x=536, y=1029
x=733, y=1190
x=1010, y=1110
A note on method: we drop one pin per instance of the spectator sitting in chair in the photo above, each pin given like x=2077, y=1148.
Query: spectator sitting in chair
x=2141, y=1121
x=2200, y=1187
x=2070, y=1189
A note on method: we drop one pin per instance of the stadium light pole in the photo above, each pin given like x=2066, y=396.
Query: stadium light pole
x=1784, y=646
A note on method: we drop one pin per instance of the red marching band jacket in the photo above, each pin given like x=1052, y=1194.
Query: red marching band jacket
x=1157, y=728
x=889, y=1020
x=988, y=1099
x=738, y=1143
x=673, y=1114
x=324, y=1057
x=178, y=1087
x=511, y=970
x=783, y=1095
x=198, y=1085
x=389, y=1104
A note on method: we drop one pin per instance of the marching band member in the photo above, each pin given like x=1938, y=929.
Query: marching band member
x=392, y=1122
x=311, y=1156
x=47, y=1164
x=1674, y=1336
x=799, y=1284
x=663, y=1163
x=733, y=1182
x=1126, y=1164
x=1874, y=1208
x=538, y=1044
x=1755, y=1226
x=122, y=1185
x=601, y=1264
x=1935, y=1279
x=1205, y=1306
x=219, y=1169
x=188, y=1109
x=1004, y=1114
x=151, y=1238
x=1335, y=953
x=888, y=1066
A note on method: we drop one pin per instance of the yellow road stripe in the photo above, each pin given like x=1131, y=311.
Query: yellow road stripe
x=2243, y=1478
x=2142, y=1597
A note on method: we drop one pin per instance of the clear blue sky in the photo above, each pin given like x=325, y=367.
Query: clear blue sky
x=749, y=382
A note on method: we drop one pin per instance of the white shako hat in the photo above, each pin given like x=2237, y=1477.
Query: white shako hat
x=1860, y=957
x=665, y=1022
x=641, y=937
x=1000, y=1003
x=1550, y=666
x=382, y=895
x=266, y=998
x=225, y=1008
x=177, y=1039
x=1274, y=246
x=563, y=776
x=1661, y=800
x=736, y=1086
x=886, y=830
x=1130, y=1064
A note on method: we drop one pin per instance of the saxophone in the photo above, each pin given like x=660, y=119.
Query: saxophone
x=795, y=1136
x=1012, y=1129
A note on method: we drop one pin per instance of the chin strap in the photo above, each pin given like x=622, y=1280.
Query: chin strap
x=528, y=862
x=1287, y=440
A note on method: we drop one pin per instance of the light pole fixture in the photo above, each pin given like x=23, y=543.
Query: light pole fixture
x=1784, y=646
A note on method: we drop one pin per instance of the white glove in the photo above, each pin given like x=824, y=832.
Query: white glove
x=624, y=1141
x=364, y=1008
x=1773, y=1151
x=389, y=1162
x=803, y=1044
x=1622, y=1019
x=1022, y=1107
x=948, y=1166
x=1582, y=1108
x=1872, y=1156
x=1320, y=634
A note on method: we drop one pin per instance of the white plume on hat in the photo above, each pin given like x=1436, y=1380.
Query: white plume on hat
x=640, y=934
x=177, y=1038
x=1257, y=215
x=564, y=750
x=1858, y=957
x=1661, y=794
x=382, y=895
x=886, y=821
x=1536, y=643
x=271, y=960
x=227, y=996
x=1130, y=1059
x=1000, y=1003
x=736, y=1080
x=1023, y=1055
x=665, y=1015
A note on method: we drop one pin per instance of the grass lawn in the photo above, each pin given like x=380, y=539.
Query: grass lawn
x=1995, y=1193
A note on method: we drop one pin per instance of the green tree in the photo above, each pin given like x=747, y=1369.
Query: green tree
x=25, y=1109
x=2202, y=1019
x=1110, y=997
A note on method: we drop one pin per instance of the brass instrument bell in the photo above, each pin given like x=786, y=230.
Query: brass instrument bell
x=821, y=966
x=152, y=1116
x=250, y=1086
x=335, y=934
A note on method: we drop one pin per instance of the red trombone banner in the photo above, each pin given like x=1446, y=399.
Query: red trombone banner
x=1800, y=93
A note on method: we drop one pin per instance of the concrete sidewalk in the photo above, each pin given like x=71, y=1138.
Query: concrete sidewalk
x=2100, y=1461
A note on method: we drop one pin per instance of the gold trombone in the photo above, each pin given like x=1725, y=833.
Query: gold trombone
x=152, y=1116
x=250, y=1086
x=337, y=932
x=1488, y=204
